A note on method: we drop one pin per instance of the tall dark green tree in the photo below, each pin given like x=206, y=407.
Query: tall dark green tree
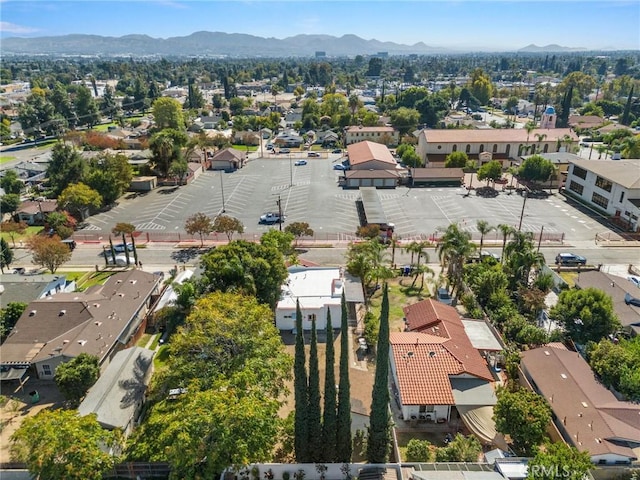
x=314, y=416
x=6, y=255
x=344, y=445
x=329, y=415
x=379, y=421
x=301, y=393
x=627, y=109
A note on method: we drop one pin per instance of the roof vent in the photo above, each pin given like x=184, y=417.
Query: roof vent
x=96, y=305
x=82, y=342
x=64, y=342
x=132, y=282
x=62, y=313
x=584, y=404
x=546, y=352
x=563, y=375
x=432, y=354
x=121, y=294
x=32, y=313
x=98, y=323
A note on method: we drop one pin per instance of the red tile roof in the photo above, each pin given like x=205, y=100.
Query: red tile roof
x=366, y=151
x=496, y=135
x=440, y=348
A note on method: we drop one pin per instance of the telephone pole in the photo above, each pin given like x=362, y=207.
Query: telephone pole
x=279, y=203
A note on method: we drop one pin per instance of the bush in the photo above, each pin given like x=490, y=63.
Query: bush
x=419, y=451
x=371, y=328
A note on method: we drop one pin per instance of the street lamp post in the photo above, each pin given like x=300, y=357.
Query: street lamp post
x=222, y=191
x=524, y=202
x=290, y=172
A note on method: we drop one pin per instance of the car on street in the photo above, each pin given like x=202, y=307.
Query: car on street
x=285, y=150
x=443, y=296
x=313, y=154
x=336, y=150
x=339, y=166
x=299, y=163
x=570, y=259
x=120, y=247
x=631, y=300
x=635, y=280
x=120, y=260
x=270, y=218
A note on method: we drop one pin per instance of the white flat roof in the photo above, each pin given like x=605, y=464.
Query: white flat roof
x=481, y=336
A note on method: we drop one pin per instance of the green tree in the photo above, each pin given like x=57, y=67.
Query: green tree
x=463, y=448
x=559, y=461
x=75, y=377
x=9, y=203
x=480, y=86
x=108, y=105
x=586, y=314
x=483, y=228
x=329, y=414
x=110, y=176
x=247, y=267
x=9, y=317
x=166, y=146
x=80, y=199
x=37, y=115
x=6, y=255
x=167, y=113
x=65, y=168
x=344, y=446
x=419, y=451
x=314, y=416
x=456, y=160
x=301, y=393
x=123, y=227
x=199, y=223
x=281, y=241
x=299, y=230
x=616, y=365
x=86, y=107
x=227, y=225
x=48, y=252
x=62, y=444
x=536, y=168
x=405, y=119
x=11, y=183
x=491, y=171
x=524, y=416
x=179, y=169
x=378, y=440
x=506, y=231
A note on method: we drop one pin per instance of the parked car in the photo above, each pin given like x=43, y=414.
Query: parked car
x=635, y=280
x=339, y=166
x=285, y=150
x=537, y=194
x=270, y=218
x=120, y=260
x=270, y=146
x=570, y=259
x=300, y=162
x=336, y=150
x=443, y=296
x=362, y=344
x=631, y=300
x=313, y=154
x=120, y=247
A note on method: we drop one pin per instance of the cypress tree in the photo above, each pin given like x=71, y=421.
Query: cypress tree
x=314, y=415
x=379, y=422
x=301, y=393
x=329, y=419
x=344, y=445
x=627, y=109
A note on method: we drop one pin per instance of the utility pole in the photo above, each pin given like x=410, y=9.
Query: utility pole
x=524, y=202
x=222, y=191
x=279, y=203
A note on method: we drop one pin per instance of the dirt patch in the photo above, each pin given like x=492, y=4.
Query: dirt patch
x=20, y=405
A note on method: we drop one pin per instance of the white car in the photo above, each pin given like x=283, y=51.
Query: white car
x=635, y=280
x=120, y=260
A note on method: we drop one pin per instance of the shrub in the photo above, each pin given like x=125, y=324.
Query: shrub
x=419, y=451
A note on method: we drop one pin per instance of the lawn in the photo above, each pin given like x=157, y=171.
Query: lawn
x=569, y=277
x=6, y=158
x=245, y=148
x=160, y=359
x=30, y=231
x=97, y=278
x=104, y=127
x=144, y=339
x=435, y=438
x=400, y=295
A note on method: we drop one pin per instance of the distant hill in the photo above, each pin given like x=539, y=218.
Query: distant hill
x=550, y=48
x=209, y=44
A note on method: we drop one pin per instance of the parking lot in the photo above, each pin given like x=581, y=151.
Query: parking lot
x=311, y=193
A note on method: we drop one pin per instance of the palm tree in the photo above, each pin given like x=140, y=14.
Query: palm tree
x=163, y=152
x=421, y=271
x=483, y=228
x=521, y=256
x=530, y=126
x=540, y=137
x=631, y=147
x=454, y=249
x=506, y=230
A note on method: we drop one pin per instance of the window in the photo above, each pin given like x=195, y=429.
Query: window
x=495, y=148
x=603, y=183
x=455, y=148
x=546, y=148
x=468, y=148
x=599, y=200
x=508, y=150
x=46, y=370
x=621, y=197
x=579, y=172
x=481, y=148
x=311, y=317
x=431, y=408
x=576, y=187
x=422, y=409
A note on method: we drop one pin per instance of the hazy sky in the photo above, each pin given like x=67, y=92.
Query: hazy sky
x=467, y=24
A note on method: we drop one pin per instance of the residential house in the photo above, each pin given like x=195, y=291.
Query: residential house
x=26, y=288
x=100, y=321
x=437, y=373
x=30, y=171
x=292, y=117
x=612, y=187
x=228, y=159
x=247, y=137
x=317, y=289
x=118, y=395
x=380, y=134
x=505, y=145
x=617, y=288
x=34, y=212
x=585, y=121
x=209, y=122
x=586, y=415
x=327, y=138
x=289, y=139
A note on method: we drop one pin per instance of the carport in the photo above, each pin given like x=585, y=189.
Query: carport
x=15, y=372
x=436, y=177
x=371, y=178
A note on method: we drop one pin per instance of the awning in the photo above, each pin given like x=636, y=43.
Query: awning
x=479, y=420
x=11, y=373
x=472, y=392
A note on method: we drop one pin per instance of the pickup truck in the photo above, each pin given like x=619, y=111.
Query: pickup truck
x=270, y=218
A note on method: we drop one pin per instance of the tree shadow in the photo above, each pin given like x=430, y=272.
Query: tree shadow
x=134, y=387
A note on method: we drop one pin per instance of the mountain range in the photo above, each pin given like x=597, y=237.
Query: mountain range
x=211, y=44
